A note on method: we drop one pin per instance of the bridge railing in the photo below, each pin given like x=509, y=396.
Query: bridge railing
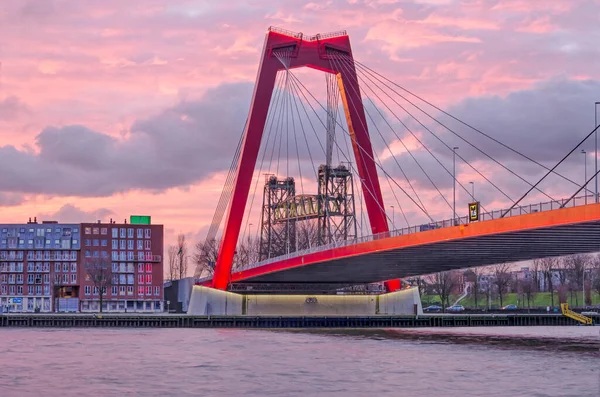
x=485, y=216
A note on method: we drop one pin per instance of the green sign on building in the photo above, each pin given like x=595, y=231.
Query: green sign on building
x=139, y=219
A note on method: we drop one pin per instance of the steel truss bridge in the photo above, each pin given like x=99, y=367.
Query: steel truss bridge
x=553, y=227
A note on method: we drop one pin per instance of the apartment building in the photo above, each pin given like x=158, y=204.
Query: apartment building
x=45, y=267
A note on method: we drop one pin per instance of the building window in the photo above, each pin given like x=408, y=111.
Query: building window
x=104, y=243
x=96, y=242
x=122, y=233
x=148, y=267
x=87, y=242
x=130, y=279
x=115, y=255
x=130, y=233
x=129, y=244
x=121, y=290
x=140, y=244
x=104, y=254
x=115, y=267
x=95, y=291
x=157, y=291
x=140, y=279
x=87, y=290
x=147, y=244
x=73, y=255
x=30, y=279
x=140, y=268
x=123, y=244
x=30, y=267
x=46, y=278
x=130, y=256
x=38, y=289
x=65, y=267
x=130, y=290
x=30, y=291
x=65, y=279
x=147, y=233
x=96, y=254
x=148, y=290
x=148, y=279
x=114, y=290
x=87, y=230
x=115, y=244
x=19, y=290
x=140, y=256
x=96, y=231
x=73, y=267
x=140, y=233
x=88, y=254
x=75, y=242
x=140, y=290
x=73, y=278
x=115, y=233
x=103, y=230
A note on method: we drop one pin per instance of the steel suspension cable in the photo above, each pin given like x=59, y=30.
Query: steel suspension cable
x=357, y=145
x=466, y=124
x=468, y=143
x=419, y=141
x=550, y=171
x=340, y=65
x=298, y=85
x=459, y=156
x=278, y=86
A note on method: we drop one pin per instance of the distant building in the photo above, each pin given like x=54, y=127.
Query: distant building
x=43, y=266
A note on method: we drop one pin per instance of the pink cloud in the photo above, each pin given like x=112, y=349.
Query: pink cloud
x=107, y=65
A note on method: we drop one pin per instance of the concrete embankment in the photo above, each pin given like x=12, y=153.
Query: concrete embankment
x=185, y=321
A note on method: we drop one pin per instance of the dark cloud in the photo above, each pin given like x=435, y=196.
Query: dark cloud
x=69, y=213
x=11, y=107
x=178, y=147
x=11, y=199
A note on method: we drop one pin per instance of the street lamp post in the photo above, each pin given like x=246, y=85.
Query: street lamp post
x=596, y=149
x=584, y=174
x=454, y=182
x=472, y=190
x=393, y=217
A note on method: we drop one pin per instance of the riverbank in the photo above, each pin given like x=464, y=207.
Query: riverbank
x=184, y=321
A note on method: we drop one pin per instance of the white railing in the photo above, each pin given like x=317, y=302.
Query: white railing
x=486, y=216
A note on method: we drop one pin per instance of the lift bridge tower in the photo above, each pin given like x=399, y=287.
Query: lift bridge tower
x=324, y=218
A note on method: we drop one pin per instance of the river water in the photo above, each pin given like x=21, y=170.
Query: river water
x=554, y=361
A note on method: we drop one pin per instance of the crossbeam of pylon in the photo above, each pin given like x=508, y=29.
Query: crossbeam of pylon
x=300, y=52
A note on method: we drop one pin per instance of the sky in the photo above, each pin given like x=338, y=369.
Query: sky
x=111, y=108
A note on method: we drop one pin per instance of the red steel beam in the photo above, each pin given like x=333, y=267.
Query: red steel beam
x=310, y=53
x=565, y=216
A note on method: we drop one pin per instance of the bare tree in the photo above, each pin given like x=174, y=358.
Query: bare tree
x=547, y=266
x=182, y=256
x=476, y=282
x=173, y=272
x=308, y=234
x=536, y=269
x=206, y=253
x=595, y=282
x=502, y=279
x=205, y=257
x=443, y=283
x=99, y=272
x=529, y=289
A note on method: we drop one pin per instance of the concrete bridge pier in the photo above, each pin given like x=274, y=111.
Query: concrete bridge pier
x=207, y=301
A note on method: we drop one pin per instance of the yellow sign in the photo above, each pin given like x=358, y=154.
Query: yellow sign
x=474, y=212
